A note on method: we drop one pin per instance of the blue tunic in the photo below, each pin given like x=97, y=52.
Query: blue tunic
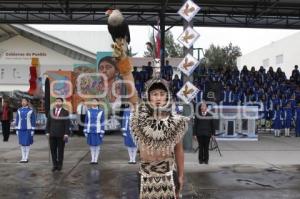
x=199, y=96
x=94, y=126
x=288, y=116
x=227, y=97
x=236, y=98
x=25, y=125
x=128, y=140
x=293, y=105
x=177, y=84
x=266, y=110
x=167, y=72
x=275, y=102
x=139, y=87
x=277, y=116
x=298, y=121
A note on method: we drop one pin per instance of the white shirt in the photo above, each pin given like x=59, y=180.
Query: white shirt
x=57, y=111
x=81, y=109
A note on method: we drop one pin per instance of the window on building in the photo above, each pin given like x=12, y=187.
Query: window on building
x=266, y=62
x=279, y=59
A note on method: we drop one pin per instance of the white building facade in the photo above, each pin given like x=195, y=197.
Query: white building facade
x=21, y=43
x=283, y=53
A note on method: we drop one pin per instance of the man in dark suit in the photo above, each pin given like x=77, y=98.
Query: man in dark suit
x=81, y=112
x=58, y=130
x=203, y=130
x=6, y=116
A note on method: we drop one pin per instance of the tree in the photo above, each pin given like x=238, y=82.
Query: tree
x=172, y=49
x=214, y=57
x=231, y=55
x=219, y=57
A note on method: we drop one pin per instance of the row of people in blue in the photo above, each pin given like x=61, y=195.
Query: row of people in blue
x=239, y=86
x=285, y=119
x=94, y=132
x=141, y=77
x=93, y=129
x=267, y=90
x=270, y=91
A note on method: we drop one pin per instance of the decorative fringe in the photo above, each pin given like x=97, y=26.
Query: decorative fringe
x=157, y=135
x=157, y=180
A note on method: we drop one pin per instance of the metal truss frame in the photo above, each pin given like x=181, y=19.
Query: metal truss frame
x=225, y=13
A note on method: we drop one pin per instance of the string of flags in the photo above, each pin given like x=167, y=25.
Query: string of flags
x=187, y=38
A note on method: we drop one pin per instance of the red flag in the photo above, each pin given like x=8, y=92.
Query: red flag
x=157, y=45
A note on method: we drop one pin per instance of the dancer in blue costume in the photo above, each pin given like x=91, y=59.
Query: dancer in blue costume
x=128, y=140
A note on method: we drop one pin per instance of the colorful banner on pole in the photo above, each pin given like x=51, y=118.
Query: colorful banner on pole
x=188, y=64
x=189, y=10
x=187, y=38
x=187, y=92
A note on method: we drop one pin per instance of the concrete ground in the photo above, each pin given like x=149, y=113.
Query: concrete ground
x=268, y=168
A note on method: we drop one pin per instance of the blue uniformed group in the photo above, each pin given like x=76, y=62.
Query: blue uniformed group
x=94, y=130
x=142, y=76
x=276, y=96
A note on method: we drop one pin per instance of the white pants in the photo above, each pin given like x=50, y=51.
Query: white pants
x=287, y=132
x=95, y=151
x=25, y=152
x=277, y=132
x=132, y=153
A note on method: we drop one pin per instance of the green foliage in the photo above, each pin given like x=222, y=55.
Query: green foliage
x=130, y=53
x=219, y=57
x=172, y=49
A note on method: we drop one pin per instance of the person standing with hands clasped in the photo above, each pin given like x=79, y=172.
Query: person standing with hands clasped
x=94, y=129
x=204, y=129
x=81, y=113
x=58, y=130
x=6, y=116
x=128, y=140
x=25, y=125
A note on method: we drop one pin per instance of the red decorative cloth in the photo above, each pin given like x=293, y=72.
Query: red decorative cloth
x=5, y=113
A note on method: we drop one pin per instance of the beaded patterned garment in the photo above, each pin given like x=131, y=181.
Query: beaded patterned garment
x=157, y=136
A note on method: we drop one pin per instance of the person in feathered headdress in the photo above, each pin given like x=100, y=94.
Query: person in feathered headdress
x=158, y=133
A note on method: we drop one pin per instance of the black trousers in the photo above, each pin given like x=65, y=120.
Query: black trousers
x=57, y=146
x=203, y=142
x=81, y=124
x=5, y=129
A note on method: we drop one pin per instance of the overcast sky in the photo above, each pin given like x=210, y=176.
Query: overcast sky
x=247, y=39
